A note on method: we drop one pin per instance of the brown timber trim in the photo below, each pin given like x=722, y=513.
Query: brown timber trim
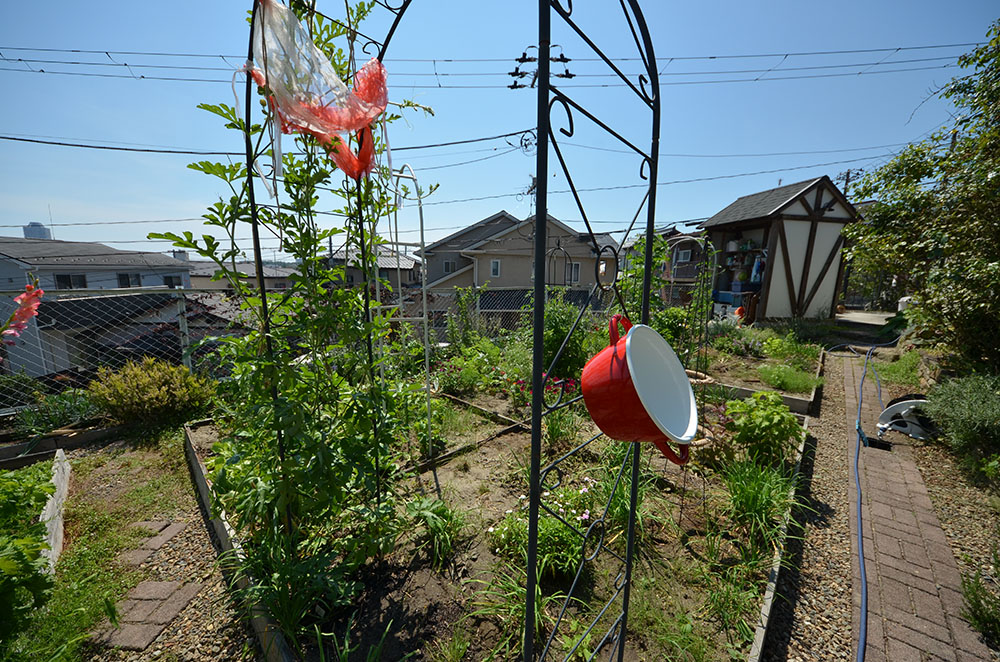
x=771, y=238
x=788, y=268
x=822, y=274
x=818, y=219
x=840, y=276
x=804, y=278
x=817, y=209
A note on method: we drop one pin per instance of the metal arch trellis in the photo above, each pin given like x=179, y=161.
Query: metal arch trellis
x=646, y=88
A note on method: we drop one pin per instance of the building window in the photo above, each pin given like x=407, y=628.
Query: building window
x=172, y=281
x=129, y=280
x=684, y=256
x=572, y=272
x=494, y=268
x=71, y=281
x=449, y=266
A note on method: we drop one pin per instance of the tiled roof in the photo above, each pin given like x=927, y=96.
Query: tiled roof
x=89, y=311
x=207, y=268
x=387, y=258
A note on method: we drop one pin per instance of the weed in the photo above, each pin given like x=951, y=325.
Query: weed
x=759, y=498
x=982, y=604
x=904, y=370
x=655, y=613
x=577, y=642
x=788, y=378
x=444, y=526
x=560, y=427
x=453, y=648
x=731, y=600
x=504, y=601
x=789, y=350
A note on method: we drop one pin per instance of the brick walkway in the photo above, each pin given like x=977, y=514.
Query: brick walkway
x=151, y=605
x=914, y=587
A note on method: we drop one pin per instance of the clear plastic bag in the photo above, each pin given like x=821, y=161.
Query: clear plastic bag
x=306, y=93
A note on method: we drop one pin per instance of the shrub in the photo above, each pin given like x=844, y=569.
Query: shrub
x=150, y=394
x=560, y=315
x=17, y=389
x=764, y=427
x=24, y=584
x=967, y=411
x=457, y=377
x=982, y=603
x=55, y=411
x=788, y=378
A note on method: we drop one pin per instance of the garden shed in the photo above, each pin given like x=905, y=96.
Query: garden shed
x=780, y=251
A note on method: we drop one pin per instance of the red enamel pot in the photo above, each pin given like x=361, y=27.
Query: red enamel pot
x=636, y=390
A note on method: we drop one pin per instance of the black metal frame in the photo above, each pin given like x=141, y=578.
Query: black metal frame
x=549, y=96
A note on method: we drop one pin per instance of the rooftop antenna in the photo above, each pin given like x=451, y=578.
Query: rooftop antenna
x=52, y=232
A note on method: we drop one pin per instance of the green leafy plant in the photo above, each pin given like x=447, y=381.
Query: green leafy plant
x=788, y=378
x=55, y=411
x=443, y=528
x=788, y=349
x=967, y=412
x=150, y=394
x=731, y=599
x=764, y=427
x=24, y=582
x=560, y=315
x=982, y=601
x=450, y=649
x=17, y=389
x=560, y=548
x=560, y=427
x=577, y=641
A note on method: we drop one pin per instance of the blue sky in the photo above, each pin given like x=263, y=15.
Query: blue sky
x=708, y=130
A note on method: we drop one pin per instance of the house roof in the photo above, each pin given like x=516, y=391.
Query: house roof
x=55, y=253
x=386, y=259
x=249, y=269
x=475, y=233
x=760, y=205
x=90, y=311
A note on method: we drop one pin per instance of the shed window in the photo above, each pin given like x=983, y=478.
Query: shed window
x=494, y=268
x=684, y=256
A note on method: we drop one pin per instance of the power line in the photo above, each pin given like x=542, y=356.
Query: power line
x=240, y=58
x=466, y=74
x=152, y=150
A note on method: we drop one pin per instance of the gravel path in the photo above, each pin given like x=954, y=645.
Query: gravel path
x=812, y=618
x=209, y=628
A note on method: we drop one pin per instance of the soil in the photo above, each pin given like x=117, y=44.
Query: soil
x=742, y=371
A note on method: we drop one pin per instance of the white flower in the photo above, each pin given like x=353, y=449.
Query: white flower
x=522, y=497
x=509, y=511
x=489, y=530
x=545, y=493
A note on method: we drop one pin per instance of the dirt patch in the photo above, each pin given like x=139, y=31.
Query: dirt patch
x=203, y=437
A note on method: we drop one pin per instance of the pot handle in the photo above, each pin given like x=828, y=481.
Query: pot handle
x=613, y=327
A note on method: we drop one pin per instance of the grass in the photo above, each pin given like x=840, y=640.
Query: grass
x=759, y=498
x=982, y=606
x=903, y=371
x=88, y=578
x=788, y=378
x=452, y=649
x=655, y=613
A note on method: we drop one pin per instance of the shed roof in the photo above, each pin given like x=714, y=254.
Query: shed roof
x=91, y=311
x=759, y=205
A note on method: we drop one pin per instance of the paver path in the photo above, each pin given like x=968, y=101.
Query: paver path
x=914, y=587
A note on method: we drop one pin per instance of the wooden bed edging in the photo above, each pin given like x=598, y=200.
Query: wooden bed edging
x=29, y=452
x=764, y=620
x=272, y=641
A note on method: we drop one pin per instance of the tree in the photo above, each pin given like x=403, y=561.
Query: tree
x=936, y=223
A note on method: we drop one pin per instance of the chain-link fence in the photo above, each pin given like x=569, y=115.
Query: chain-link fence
x=77, y=332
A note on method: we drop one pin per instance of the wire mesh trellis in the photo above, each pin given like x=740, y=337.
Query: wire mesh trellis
x=603, y=296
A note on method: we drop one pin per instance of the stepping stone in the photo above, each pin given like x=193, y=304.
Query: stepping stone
x=169, y=532
x=135, y=556
x=173, y=605
x=132, y=611
x=151, y=590
x=133, y=636
x=153, y=527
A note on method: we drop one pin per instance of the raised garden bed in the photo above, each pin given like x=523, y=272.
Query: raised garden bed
x=24, y=453
x=741, y=384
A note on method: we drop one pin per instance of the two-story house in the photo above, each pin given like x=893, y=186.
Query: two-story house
x=79, y=265
x=498, y=252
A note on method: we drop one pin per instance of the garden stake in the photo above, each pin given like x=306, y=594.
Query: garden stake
x=259, y=266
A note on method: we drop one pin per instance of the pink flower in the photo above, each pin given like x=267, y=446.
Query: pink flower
x=27, y=307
